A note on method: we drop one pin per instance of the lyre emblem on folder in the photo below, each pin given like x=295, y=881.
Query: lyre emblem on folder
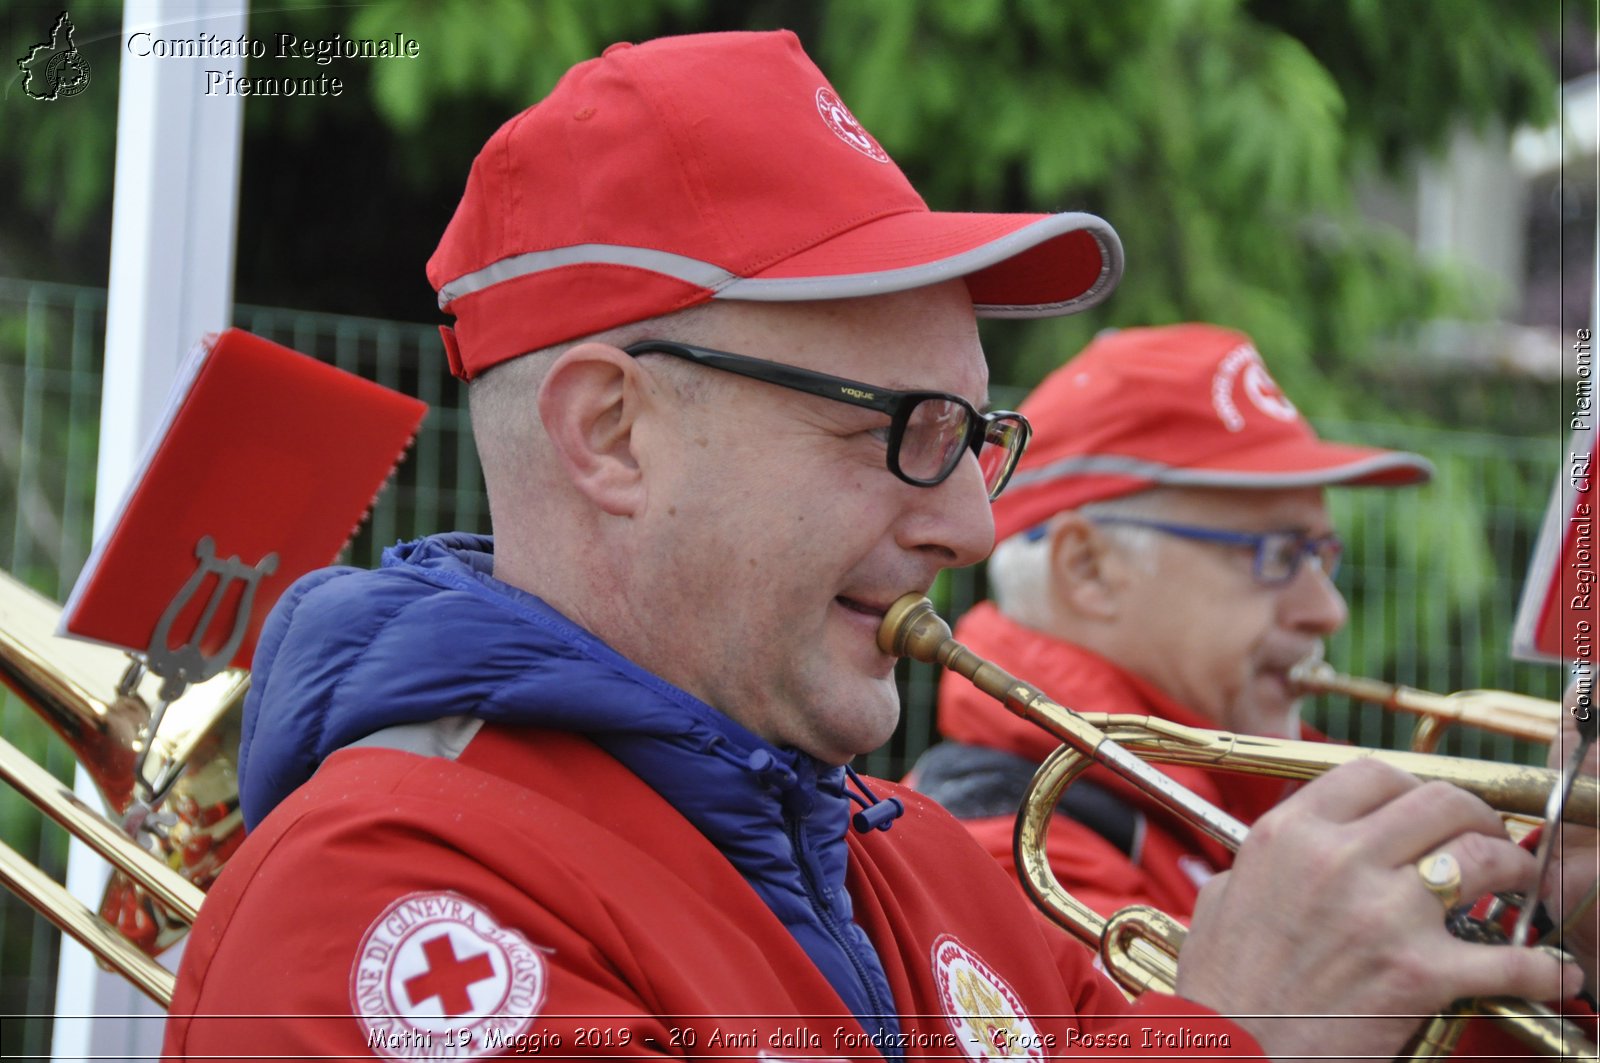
x=188, y=662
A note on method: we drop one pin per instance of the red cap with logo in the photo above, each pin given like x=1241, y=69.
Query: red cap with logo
x=1180, y=405
x=718, y=166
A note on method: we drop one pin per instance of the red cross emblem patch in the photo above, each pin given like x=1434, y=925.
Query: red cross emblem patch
x=437, y=977
x=983, y=1010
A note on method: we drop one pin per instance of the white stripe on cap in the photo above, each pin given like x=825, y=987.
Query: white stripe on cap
x=1177, y=476
x=850, y=285
x=681, y=267
x=726, y=285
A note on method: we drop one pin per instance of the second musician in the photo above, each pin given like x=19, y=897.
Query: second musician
x=1164, y=549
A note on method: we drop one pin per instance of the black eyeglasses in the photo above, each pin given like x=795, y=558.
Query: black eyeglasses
x=1278, y=554
x=928, y=430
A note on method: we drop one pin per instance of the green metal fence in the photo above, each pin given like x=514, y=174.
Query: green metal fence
x=1432, y=574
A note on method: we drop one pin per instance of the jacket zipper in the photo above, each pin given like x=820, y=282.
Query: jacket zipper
x=831, y=924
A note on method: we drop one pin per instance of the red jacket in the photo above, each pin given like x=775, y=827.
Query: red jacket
x=532, y=895
x=1154, y=857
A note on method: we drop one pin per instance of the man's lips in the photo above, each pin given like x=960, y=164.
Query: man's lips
x=1283, y=667
x=866, y=608
x=1279, y=678
x=1283, y=682
x=866, y=613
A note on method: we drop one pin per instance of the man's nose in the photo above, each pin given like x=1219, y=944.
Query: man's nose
x=952, y=519
x=1312, y=603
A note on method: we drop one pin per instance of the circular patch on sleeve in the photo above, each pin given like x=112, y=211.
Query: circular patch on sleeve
x=983, y=1010
x=436, y=977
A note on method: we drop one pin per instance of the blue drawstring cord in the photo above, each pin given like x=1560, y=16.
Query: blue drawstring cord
x=876, y=813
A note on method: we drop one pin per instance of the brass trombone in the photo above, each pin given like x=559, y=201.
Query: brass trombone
x=88, y=696
x=1139, y=945
x=1499, y=711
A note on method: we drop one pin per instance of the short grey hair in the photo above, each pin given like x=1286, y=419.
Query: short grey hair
x=501, y=394
x=500, y=402
x=1019, y=568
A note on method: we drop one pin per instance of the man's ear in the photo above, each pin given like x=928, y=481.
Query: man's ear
x=589, y=404
x=1084, y=567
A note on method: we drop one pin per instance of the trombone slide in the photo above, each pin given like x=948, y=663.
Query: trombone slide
x=1499, y=711
x=52, y=900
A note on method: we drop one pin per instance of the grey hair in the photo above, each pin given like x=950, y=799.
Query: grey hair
x=1019, y=579
x=501, y=401
x=1019, y=568
x=503, y=394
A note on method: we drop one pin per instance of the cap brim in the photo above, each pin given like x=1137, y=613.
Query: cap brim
x=1016, y=265
x=1269, y=467
x=1309, y=464
x=1038, y=493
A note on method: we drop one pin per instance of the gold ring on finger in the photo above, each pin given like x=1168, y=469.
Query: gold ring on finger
x=1441, y=874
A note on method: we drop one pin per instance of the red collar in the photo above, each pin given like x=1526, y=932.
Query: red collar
x=1086, y=682
x=1068, y=673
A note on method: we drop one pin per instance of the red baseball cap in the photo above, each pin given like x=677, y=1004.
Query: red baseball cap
x=718, y=166
x=1180, y=405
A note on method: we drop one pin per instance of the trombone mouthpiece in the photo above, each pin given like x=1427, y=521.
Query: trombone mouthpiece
x=1307, y=673
x=912, y=629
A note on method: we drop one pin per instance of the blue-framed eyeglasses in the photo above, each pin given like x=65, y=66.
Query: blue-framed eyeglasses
x=1278, y=554
x=928, y=431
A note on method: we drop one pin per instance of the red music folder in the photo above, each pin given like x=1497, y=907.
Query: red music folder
x=1556, y=618
x=263, y=455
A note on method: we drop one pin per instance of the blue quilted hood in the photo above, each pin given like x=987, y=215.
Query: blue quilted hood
x=347, y=652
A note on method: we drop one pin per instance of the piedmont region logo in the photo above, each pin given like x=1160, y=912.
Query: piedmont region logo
x=982, y=1009
x=436, y=977
x=55, y=69
x=845, y=126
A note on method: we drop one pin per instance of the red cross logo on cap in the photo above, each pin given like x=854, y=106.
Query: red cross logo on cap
x=447, y=977
x=1265, y=395
x=846, y=126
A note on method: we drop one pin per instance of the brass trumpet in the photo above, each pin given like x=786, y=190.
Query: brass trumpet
x=1499, y=711
x=87, y=696
x=1139, y=945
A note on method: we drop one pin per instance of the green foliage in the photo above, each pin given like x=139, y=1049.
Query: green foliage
x=1431, y=605
x=1223, y=138
x=1218, y=143
x=511, y=51
x=1413, y=70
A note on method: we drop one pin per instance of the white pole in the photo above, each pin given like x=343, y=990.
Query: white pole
x=171, y=281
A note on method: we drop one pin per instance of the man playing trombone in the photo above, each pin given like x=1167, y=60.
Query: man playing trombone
x=581, y=789
x=1164, y=549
